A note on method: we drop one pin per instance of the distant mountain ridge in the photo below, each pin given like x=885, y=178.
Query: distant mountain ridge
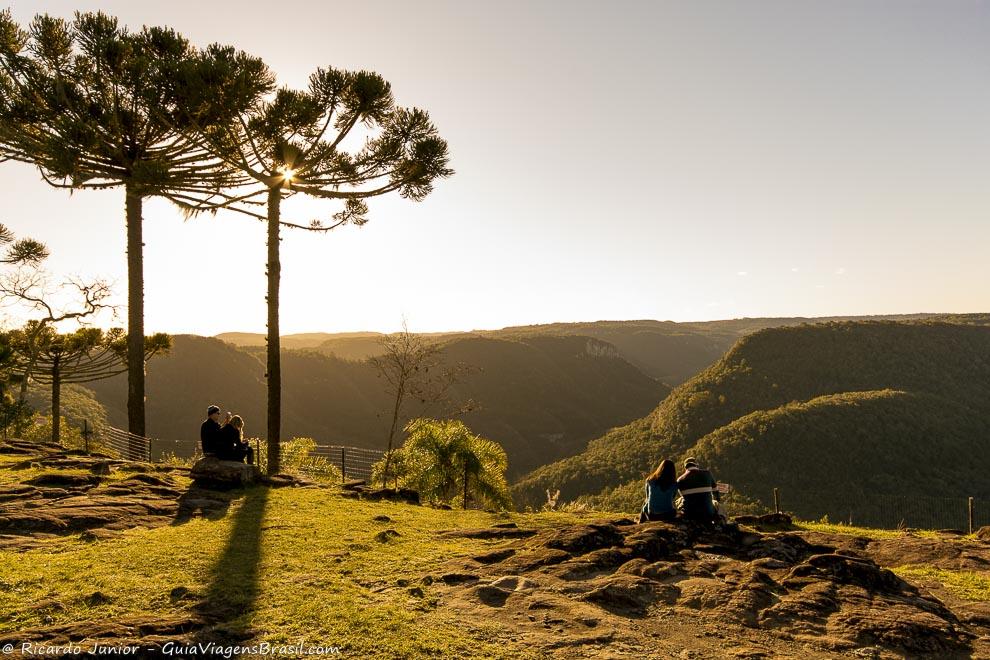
x=878, y=406
x=541, y=397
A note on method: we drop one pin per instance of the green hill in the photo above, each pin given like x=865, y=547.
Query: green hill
x=541, y=397
x=825, y=410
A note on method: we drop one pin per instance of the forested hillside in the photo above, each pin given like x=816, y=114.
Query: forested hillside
x=870, y=407
x=541, y=397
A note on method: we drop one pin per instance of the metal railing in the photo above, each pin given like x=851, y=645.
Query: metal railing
x=127, y=445
x=353, y=462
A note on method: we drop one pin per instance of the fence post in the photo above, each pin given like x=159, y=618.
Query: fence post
x=343, y=464
x=87, y=431
x=776, y=501
x=971, y=515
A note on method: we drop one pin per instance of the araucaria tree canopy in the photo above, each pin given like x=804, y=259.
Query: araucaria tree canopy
x=94, y=105
x=292, y=142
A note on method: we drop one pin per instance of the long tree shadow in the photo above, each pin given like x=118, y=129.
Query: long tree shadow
x=234, y=586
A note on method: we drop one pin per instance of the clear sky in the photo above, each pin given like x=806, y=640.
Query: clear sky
x=620, y=160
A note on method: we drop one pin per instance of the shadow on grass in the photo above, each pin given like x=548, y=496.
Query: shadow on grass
x=200, y=503
x=234, y=586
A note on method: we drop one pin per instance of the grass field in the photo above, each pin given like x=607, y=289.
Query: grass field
x=288, y=564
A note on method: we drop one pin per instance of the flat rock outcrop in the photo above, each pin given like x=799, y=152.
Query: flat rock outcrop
x=631, y=581
x=211, y=472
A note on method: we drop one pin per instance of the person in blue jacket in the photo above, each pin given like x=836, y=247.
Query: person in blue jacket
x=661, y=486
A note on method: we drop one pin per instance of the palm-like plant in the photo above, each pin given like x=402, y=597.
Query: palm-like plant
x=292, y=142
x=444, y=459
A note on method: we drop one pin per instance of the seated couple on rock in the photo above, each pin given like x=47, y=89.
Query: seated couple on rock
x=698, y=489
x=224, y=439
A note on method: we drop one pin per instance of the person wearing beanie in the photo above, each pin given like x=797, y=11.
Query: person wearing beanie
x=209, y=432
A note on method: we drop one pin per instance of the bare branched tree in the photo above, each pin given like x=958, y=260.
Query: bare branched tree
x=415, y=370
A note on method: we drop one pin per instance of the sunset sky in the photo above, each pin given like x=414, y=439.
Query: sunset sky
x=620, y=160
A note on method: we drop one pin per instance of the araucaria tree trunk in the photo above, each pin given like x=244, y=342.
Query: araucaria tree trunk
x=135, y=317
x=56, y=400
x=274, y=374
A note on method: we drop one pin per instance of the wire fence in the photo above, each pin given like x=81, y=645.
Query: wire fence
x=882, y=511
x=124, y=444
x=353, y=462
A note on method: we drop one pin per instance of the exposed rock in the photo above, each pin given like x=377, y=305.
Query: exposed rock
x=487, y=533
x=585, y=538
x=211, y=472
x=390, y=494
x=64, y=480
x=494, y=556
x=793, y=585
x=766, y=522
x=386, y=535
x=100, y=467
x=18, y=492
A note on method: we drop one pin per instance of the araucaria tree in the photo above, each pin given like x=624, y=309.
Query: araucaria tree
x=83, y=356
x=94, y=105
x=291, y=142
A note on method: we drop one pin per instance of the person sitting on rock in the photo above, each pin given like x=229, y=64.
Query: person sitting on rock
x=661, y=487
x=233, y=448
x=699, y=492
x=209, y=432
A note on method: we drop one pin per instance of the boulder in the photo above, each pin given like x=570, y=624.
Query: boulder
x=210, y=471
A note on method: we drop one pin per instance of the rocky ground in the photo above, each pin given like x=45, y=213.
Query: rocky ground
x=74, y=493
x=614, y=587
x=605, y=588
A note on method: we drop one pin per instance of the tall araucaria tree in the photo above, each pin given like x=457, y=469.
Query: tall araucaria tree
x=94, y=105
x=291, y=142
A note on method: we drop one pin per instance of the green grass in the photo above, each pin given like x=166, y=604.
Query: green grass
x=849, y=530
x=286, y=564
x=968, y=585
x=873, y=533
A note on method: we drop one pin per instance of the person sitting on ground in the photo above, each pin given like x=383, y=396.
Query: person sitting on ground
x=661, y=487
x=209, y=432
x=231, y=440
x=699, y=492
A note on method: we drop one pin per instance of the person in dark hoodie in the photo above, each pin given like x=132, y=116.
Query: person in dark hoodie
x=699, y=491
x=209, y=432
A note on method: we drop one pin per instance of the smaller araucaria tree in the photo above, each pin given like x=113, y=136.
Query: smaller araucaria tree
x=83, y=356
x=25, y=251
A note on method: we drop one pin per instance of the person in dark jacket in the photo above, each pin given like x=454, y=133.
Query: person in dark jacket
x=661, y=487
x=233, y=448
x=209, y=432
x=699, y=491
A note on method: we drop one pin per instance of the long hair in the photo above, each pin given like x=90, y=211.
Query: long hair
x=664, y=474
x=237, y=422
